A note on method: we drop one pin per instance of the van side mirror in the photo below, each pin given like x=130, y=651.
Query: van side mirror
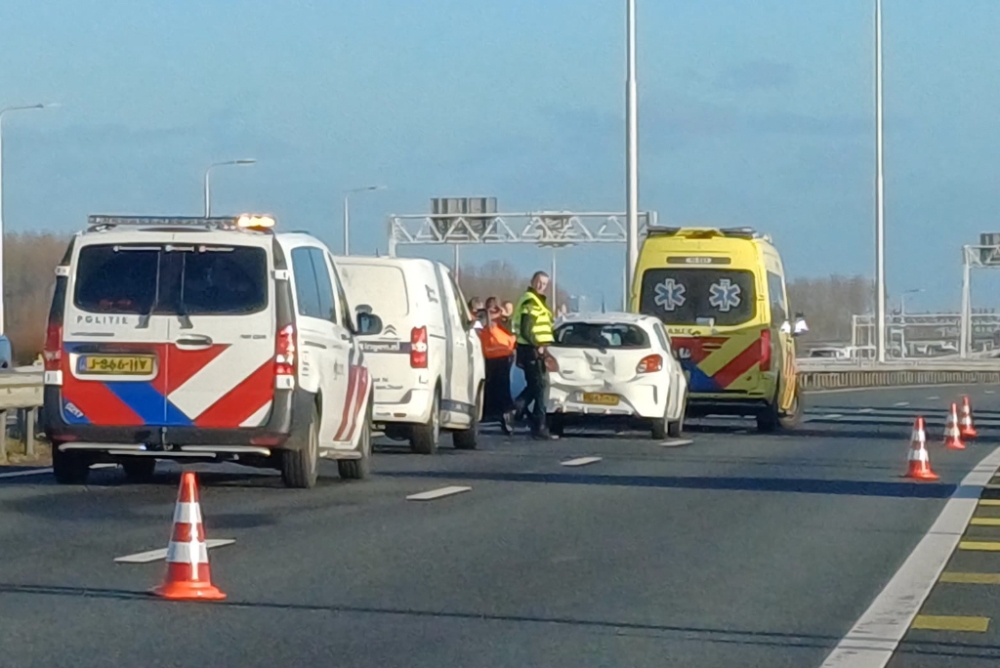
x=367, y=323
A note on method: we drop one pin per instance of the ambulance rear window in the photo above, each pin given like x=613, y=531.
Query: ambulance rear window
x=723, y=297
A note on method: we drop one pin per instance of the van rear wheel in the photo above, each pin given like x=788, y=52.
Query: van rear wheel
x=300, y=466
x=424, y=437
x=69, y=468
x=793, y=417
x=139, y=469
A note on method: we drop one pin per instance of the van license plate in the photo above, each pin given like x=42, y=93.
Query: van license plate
x=116, y=365
x=600, y=399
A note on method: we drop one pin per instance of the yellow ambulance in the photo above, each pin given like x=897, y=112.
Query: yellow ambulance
x=721, y=295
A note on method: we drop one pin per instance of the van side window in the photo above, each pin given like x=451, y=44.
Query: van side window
x=776, y=293
x=306, y=292
x=324, y=285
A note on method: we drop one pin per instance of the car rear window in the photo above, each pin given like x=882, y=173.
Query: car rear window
x=171, y=279
x=382, y=287
x=601, y=335
x=699, y=296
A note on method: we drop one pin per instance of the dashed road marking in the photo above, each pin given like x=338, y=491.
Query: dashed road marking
x=900, y=404
x=979, y=546
x=438, y=493
x=971, y=578
x=676, y=442
x=161, y=554
x=874, y=638
x=985, y=522
x=951, y=623
x=21, y=474
x=581, y=461
x=867, y=410
x=933, y=398
x=833, y=416
x=990, y=391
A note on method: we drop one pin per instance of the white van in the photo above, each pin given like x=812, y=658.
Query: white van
x=427, y=362
x=203, y=339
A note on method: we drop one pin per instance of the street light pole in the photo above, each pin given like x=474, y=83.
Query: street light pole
x=2, y=113
x=631, y=156
x=879, y=194
x=347, y=215
x=208, y=185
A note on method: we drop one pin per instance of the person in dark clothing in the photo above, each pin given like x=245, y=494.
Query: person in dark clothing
x=532, y=322
x=498, y=349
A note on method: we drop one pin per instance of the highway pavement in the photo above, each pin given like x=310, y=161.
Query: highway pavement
x=733, y=549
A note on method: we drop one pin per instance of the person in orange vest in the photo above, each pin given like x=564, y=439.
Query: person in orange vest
x=498, y=349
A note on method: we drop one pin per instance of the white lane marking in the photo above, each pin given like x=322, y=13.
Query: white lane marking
x=990, y=391
x=875, y=636
x=833, y=416
x=19, y=474
x=438, y=493
x=900, y=404
x=933, y=398
x=581, y=461
x=161, y=554
x=677, y=442
x=867, y=410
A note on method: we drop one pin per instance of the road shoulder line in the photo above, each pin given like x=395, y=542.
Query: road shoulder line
x=873, y=639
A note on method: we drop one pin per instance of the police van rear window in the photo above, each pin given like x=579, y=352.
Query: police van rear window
x=722, y=297
x=171, y=279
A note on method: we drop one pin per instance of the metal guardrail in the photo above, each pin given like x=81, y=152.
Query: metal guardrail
x=20, y=391
x=833, y=375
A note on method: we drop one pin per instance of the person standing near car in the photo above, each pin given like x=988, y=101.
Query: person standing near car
x=532, y=323
x=498, y=349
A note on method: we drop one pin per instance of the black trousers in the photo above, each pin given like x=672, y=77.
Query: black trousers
x=498, y=400
x=536, y=384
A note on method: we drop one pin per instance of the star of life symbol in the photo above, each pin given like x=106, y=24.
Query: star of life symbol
x=724, y=295
x=669, y=295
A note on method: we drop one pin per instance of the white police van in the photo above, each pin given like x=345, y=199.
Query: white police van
x=427, y=362
x=204, y=339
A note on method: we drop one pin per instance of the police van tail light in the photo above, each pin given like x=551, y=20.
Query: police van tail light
x=53, y=347
x=418, y=348
x=284, y=352
x=649, y=364
x=765, y=350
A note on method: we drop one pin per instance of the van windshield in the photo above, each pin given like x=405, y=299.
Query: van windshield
x=171, y=279
x=721, y=297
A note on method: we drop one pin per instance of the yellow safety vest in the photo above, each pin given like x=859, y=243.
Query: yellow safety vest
x=541, y=331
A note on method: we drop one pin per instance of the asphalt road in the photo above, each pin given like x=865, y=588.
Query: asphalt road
x=734, y=550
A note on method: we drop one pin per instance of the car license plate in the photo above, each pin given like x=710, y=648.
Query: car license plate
x=116, y=365
x=600, y=399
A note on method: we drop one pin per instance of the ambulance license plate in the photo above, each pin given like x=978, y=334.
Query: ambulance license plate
x=116, y=365
x=600, y=399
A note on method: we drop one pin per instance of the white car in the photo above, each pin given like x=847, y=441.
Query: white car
x=615, y=366
x=200, y=339
x=427, y=362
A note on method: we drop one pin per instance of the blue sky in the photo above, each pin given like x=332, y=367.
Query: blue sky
x=753, y=113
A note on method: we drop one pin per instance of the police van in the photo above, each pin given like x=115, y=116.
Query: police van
x=204, y=339
x=721, y=295
x=427, y=363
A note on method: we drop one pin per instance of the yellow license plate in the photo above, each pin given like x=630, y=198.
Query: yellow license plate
x=600, y=399
x=116, y=365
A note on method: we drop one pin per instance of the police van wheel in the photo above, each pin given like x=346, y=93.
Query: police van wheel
x=793, y=417
x=424, y=437
x=767, y=419
x=139, y=469
x=358, y=469
x=468, y=439
x=300, y=466
x=69, y=468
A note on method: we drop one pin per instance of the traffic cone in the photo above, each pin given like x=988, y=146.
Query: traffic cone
x=966, y=428
x=919, y=460
x=952, y=435
x=188, y=577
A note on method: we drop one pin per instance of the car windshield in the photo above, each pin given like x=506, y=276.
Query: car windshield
x=601, y=335
x=699, y=296
x=171, y=279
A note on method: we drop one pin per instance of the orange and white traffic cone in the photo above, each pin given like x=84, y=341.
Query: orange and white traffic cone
x=965, y=427
x=952, y=435
x=919, y=460
x=188, y=577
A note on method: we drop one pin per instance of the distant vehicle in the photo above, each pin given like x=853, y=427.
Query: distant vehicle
x=721, y=295
x=203, y=340
x=6, y=354
x=615, y=365
x=427, y=362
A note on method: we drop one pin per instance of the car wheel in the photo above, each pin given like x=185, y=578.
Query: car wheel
x=358, y=469
x=793, y=417
x=300, y=466
x=468, y=439
x=675, y=429
x=139, y=469
x=424, y=437
x=69, y=468
x=660, y=427
x=556, y=424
